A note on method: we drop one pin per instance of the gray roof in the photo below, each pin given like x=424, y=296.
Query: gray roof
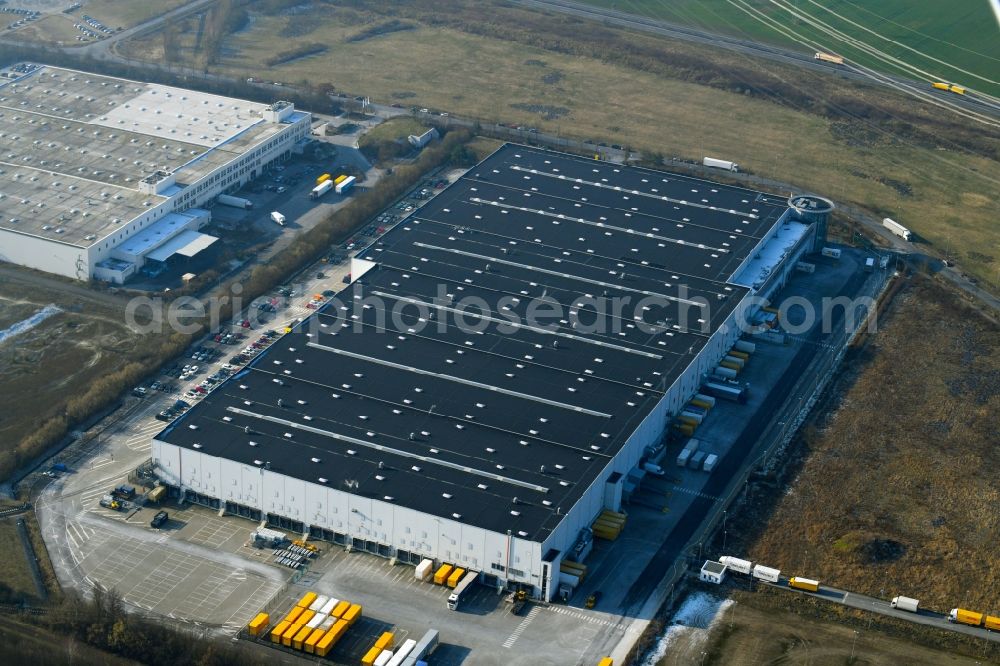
x=429, y=381
x=74, y=147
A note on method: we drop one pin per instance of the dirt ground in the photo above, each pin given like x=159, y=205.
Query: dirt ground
x=895, y=487
x=748, y=636
x=59, y=358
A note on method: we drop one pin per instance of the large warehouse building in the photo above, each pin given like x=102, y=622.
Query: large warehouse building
x=502, y=360
x=99, y=175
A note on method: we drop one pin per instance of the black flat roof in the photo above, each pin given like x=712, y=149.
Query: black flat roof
x=513, y=334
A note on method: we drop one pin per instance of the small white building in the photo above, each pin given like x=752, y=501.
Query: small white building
x=99, y=172
x=713, y=572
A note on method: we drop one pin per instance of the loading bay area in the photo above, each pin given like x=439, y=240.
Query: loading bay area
x=199, y=569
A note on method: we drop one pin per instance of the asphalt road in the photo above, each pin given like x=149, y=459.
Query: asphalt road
x=744, y=46
x=864, y=602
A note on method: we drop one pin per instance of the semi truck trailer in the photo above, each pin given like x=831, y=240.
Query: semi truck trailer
x=235, y=202
x=906, y=603
x=321, y=189
x=897, y=228
x=721, y=164
x=807, y=584
x=462, y=589
x=345, y=185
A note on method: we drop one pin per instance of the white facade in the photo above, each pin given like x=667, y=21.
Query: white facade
x=157, y=150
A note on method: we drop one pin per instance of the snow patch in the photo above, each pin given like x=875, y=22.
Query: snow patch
x=692, y=621
x=27, y=324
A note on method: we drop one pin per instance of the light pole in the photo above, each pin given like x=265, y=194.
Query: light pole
x=853, y=644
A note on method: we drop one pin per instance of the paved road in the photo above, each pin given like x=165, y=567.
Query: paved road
x=745, y=46
x=864, y=602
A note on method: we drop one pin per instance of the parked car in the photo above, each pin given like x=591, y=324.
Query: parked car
x=159, y=519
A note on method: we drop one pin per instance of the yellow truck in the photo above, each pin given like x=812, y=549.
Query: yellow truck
x=940, y=85
x=330, y=639
x=307, y=599
x=339, y=179
x=958, y=90
x=806, y=584
x=322, y=179
x=962, y=616
x=290, y=633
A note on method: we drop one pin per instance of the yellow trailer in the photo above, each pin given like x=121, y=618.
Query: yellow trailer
x=958, y=90
x=300, y=637
x=338, y=630
x=614, y=514
x=307, y=600
x=806, y=584
x=339, y=610
x=384, y=641
x=305, y=616
x=701, y=403
x=330, y=639
x=293, y=615
x=992, y=623
x=732, y=366
x=455, y=576
x=286, y=638
x=606, y=661
x=310, y=643
x=325, y=177
x=371, y=656
x=684, y=428
x=259, y=623
x=352, y=614
x=279, y=631
x=940, y=85
x=339, y=179
x=441, y=575
x=738, y=354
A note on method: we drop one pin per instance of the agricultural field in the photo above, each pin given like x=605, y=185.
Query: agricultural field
x=896, y=488
x=953, y=40
x=671, y=98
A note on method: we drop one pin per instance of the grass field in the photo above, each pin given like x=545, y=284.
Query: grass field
x=897, y=492
x=14, y=571
x=747, y=635
x=57, y=361
x=957, y=41
x=935, y=189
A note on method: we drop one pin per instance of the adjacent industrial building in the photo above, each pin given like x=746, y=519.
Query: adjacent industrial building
x=100, y=175
x=502, y=360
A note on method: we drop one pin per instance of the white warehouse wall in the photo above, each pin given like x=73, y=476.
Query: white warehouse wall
x=43, y=254
x=357, y=516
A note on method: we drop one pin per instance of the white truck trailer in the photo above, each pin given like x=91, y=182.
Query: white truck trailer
x=321, y=189
x=235, y=202
x=760, y=572
x=897, y=229
x=736, y=564
x=345, y=185
x=721, y=164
